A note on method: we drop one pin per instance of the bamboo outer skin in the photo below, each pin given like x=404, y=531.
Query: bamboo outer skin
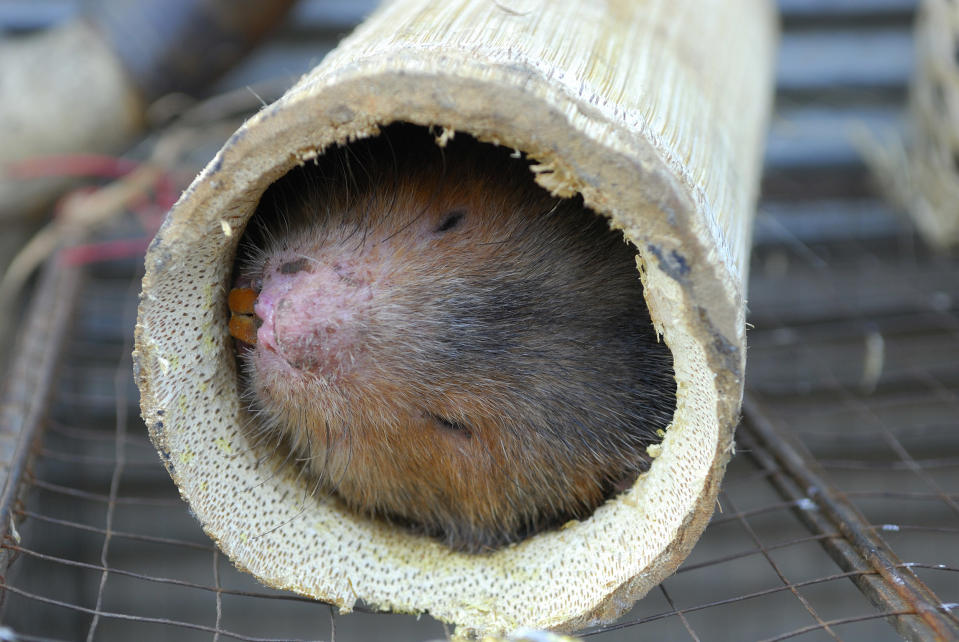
x=654, y=111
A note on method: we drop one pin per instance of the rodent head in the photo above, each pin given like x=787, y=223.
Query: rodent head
x=447, y=345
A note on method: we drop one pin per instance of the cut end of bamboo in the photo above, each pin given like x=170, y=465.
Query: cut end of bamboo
x=655, y=117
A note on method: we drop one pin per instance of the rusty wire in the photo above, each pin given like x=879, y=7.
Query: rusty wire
x=838, y=519
x=820, y=515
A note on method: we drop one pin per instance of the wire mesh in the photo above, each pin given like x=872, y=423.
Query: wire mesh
x=854, y=368
x=838, y=519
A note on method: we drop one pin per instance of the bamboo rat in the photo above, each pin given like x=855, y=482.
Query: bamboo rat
x=443, y=344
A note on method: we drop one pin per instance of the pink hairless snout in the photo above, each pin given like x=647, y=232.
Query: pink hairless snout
x=310, y=317
x=265, y=309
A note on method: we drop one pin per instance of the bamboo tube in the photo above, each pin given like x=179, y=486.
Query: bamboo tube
x=654, y=111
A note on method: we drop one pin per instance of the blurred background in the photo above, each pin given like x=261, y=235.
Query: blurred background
x=839, y=516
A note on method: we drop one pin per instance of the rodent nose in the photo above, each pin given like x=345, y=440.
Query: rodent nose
x=282, y=332
x=265, y=310
x=285, y=336
x=312, y=319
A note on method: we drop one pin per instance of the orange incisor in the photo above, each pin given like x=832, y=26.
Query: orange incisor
x=242, y=320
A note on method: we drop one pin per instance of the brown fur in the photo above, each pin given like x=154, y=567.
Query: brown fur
x=469, y=356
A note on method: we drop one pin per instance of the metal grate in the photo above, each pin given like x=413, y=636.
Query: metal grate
x=838, y=518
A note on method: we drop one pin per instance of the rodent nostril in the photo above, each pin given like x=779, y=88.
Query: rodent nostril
x=292, y=267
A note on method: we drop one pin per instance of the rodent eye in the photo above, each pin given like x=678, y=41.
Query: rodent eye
x=451, y=220
x=452, y=425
